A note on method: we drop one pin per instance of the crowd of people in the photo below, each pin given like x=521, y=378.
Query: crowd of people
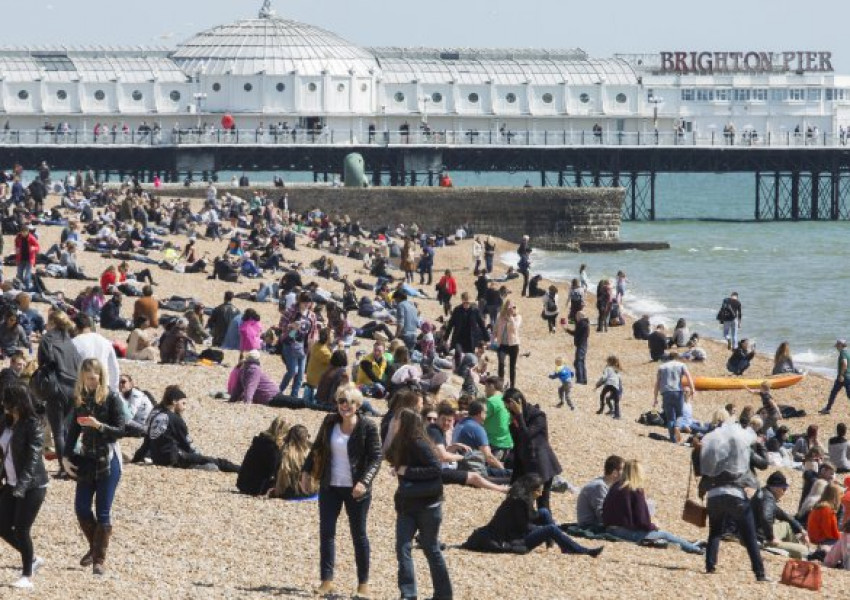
x=447, y=415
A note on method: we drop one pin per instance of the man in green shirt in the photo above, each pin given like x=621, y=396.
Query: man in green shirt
x=498, y=421
x=841, y=376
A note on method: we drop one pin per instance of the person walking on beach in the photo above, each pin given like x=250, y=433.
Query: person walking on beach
x=524, y=265
x=580, y=334
x=419, y=504
x=506, y=336
x=99, y=420
x=344, y=459
x=729, y=315
x=489, y=253
x=669, y=379
x=841, y=380
x=24, y=476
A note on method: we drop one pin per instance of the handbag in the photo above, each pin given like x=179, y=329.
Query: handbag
x=802, y=574
x=693, y=512
x=419, y=489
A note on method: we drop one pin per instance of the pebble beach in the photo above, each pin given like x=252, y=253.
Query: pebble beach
x=189, y=534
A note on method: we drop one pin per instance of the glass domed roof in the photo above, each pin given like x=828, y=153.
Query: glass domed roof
x=273, y=46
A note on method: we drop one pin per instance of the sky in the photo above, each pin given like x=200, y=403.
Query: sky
x=602, y=28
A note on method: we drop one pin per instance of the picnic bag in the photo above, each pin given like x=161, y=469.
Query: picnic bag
x=802, y=574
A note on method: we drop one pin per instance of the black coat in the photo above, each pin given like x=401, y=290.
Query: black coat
x=466, y=328
x=506, y=531
x=26, y=447
x=364, y=452
x=581, y=333
x=259, y=467
x=220, y=320
x=532, y=452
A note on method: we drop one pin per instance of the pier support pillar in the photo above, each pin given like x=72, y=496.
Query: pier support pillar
x=814, y=216
x=634, y=196
x=560, y=179
x=758, y=196
x=795, y=195
x=652, y=196
x=776, y=181
x=542, y=178
x=836, y=194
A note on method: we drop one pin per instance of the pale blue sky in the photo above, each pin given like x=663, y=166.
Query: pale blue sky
x=602, y=28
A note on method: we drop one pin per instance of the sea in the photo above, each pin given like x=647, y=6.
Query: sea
x=793, y=279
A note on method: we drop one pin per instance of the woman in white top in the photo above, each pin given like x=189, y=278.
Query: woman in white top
x=344, y=460
x=506, y=336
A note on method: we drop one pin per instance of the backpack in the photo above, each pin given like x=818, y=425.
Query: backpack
x=652, y=417
x=551, y=305
x=726, y=313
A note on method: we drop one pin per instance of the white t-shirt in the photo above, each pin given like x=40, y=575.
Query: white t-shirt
x=340, y=465
x=8, y=463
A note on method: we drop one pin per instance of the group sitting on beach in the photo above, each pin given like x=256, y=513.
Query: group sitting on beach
x=401, y=378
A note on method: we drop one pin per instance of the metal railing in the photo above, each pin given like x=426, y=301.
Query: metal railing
x=468, y=137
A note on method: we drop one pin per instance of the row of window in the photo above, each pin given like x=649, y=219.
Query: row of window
x=510, y=98
x=100, y=95
x=280, y=87
x=762, y=94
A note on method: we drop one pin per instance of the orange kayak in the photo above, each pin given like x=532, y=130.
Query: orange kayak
x=739, y=383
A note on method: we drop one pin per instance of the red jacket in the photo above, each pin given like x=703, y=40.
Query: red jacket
x=110, y=278
x=33, y=248
x=448, y=285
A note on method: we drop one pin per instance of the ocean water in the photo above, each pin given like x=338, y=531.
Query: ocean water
x=793, y=278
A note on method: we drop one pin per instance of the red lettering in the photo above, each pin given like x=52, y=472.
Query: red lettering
x=825, y=61
x=751, y=61
x=704, y=62
x=667, y=62
x=811, y=57
x=736, y=60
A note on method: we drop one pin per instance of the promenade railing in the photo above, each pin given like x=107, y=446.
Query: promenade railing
x=467, y=137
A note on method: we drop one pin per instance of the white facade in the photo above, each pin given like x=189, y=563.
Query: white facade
x=269, y=71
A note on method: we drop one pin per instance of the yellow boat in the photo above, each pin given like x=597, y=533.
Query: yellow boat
x=739, y=383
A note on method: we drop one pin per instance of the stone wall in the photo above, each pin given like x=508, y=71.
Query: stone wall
x=555, y=218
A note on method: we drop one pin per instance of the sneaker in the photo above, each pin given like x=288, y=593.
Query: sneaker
x=595, y=552
x=24, y=583
x=37, y=563
x=765, y=579
x=559, y=404
x=824, y=411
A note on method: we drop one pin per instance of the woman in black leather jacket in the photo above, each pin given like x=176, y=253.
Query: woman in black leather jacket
x=24, y=476
x=99, y=421
x=344, y=459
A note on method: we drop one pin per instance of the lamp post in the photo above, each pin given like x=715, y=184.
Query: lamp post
x=199, y=99
x=655, y=101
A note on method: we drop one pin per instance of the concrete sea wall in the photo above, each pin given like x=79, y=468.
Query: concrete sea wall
x=555, y=218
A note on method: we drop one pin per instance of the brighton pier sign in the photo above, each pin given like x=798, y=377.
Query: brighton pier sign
x=712, y=63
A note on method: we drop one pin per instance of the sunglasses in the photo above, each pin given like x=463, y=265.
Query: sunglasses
x=431, y=419
x=343, y=402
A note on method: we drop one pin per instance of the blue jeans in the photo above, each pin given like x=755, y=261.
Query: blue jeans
x=631, y=535
x=331, y=501
x=546, y=530
x=726, y=508
x=836, y=388
x=581, y=369
x=296, y=361
x=267, y=291
x=25, y=274
x=730, y=332
x=427, y=522
x=672, y=405
x=102, y=491
x=309, y=396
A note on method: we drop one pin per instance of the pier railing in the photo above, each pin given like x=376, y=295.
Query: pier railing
x=468, y=137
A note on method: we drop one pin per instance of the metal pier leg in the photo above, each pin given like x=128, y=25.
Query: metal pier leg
x=543, y=178
x=652, y=196
x=560, y=179
x=578, y=176
x=836, y=194
x=758, y=196
x=597, y=179
x=413, y=179
x=776, y=180
x=430, y=178
x=634, y=183
x=795, y=195
x=814, y=216
x=376, y=177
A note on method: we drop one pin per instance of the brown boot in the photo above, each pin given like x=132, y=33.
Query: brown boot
x=88, y=527
x=101, y=545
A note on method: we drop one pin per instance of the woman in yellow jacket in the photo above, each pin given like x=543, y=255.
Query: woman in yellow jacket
x=318, y=361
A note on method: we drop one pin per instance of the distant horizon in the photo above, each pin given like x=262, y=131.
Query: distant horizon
x=651, y=27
